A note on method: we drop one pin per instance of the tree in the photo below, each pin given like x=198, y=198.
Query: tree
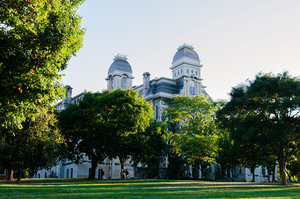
x=37, y=39
x=102, y=123
x=267, y=114
x=226, y=155
x=33, y=146
x=196, y=136
x=150, y=147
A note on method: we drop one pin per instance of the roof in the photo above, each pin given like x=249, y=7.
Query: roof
x=120, y=63
x=185, y=52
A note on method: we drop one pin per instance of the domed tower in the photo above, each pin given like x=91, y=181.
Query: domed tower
x=119, y=74
x=186, y=69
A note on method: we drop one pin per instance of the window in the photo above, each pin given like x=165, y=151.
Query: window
x=39, y=175
x=2, y=172
x=156, y=112
x=123, y=83
x=45, y=174
x=187, y=70
x=263, y=170
x=67, y=173
x=71, y=175
x=192, y=88
x=112, y=84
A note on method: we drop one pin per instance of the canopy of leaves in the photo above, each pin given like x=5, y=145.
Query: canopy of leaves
x=196, y=135
x=37, y=39
x=150, y=146
x=101, y=124
x=264, y=119
x=34, y=146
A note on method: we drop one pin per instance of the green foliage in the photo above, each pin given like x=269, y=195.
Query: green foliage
x=24, y=173
x=37, y=39
x=150, y=147
x=264, y=120
x=104, y=124
x=33, y=146
x=196, y=133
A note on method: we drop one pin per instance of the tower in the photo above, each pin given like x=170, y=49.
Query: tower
x=186, y=69
x=119, y=73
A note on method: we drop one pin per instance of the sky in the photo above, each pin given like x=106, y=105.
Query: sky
x=235, y=40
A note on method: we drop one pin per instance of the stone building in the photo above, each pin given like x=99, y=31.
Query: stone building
x=186, y=80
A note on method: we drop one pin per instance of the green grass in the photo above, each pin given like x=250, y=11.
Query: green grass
x=82, y=188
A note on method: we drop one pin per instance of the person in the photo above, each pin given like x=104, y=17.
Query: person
x=103, y=174
x=126, y=174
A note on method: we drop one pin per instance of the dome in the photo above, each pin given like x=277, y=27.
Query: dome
x=120, y=64
x=185, y=51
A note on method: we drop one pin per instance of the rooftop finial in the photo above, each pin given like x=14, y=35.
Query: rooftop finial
x=119, y=56
x=185, y=46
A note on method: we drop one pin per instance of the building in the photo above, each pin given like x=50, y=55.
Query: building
x=186, y=80
x=3, y=174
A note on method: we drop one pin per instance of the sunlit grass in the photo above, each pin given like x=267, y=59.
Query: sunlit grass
x=82, y=188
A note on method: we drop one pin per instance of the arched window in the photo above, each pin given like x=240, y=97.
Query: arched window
x=192, y=88
x=112, y=83
x=67, y=173
x=123, y=83
x=71, y=174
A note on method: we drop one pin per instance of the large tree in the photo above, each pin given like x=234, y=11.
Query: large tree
x=196, y=136
x=34, y=146
x=102, y=123
x=150, y=147
x=37, y=39
x=266, y=115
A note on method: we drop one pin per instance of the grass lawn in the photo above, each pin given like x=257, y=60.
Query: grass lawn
x=82, y=188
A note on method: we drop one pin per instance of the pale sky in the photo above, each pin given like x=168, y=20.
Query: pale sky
x=235, y=40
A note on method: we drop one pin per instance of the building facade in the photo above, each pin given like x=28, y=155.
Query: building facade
x=186, y=80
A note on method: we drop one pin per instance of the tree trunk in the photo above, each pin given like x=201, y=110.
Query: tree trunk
x=94, y=164
x=197, y=168
x=10, y=176
x=253, y=173
x=273, y=176
x=19, y=175
x=122, y=161
x=282, y=166
x=222, y=172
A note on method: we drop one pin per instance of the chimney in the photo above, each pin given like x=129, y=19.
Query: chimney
x=146, y=82
x=68, y=94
